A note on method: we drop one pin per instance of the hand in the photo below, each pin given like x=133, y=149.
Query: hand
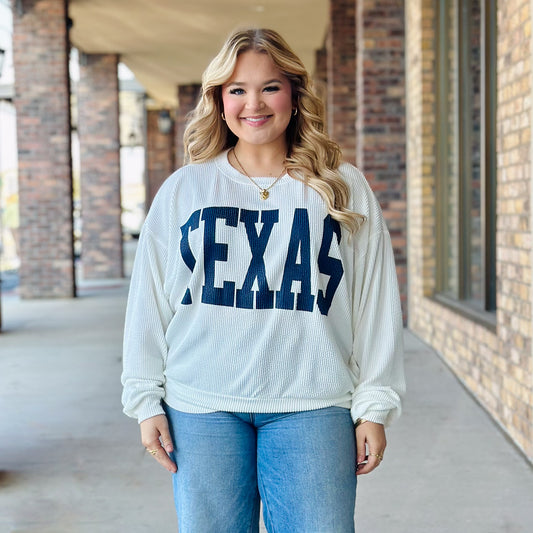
x=155, y=437
x=369, y=436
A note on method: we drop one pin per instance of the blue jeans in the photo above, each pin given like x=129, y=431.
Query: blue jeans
x=300, y=465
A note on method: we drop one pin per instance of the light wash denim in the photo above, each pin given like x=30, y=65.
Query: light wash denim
x=300, y=465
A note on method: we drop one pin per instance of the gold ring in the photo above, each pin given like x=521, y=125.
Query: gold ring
x=377, y=455
x=153, y=452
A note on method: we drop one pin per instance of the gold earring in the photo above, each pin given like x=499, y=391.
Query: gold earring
x=223, y=116
x=295, y=112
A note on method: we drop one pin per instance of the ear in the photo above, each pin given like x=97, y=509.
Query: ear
x=295, y=100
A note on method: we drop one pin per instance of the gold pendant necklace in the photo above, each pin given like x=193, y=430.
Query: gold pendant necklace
x=263, y=191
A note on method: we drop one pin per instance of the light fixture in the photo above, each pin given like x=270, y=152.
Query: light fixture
x=2, y=57
x=164, y=122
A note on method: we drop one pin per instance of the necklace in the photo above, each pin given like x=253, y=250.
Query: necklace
x=263, y=191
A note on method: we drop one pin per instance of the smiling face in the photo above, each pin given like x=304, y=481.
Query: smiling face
x=257, y=101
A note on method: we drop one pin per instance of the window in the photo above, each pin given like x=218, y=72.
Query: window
x=466, y=158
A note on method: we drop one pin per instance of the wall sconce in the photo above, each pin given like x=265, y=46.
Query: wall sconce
x=2, y=57
x=164, y=122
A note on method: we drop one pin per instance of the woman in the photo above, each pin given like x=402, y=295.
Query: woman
x=263, y=321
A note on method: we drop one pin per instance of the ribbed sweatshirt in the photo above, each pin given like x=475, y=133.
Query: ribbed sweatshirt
x=247, y=305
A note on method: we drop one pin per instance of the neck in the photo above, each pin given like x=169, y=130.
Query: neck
x=258, y=160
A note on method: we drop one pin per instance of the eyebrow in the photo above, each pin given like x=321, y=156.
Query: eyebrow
x=240, y=83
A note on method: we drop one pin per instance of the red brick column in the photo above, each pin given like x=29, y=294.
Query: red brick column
x=381, y=127
x=159, y=155
x=98, y=128
x=341, y=76
x=187, y=99
x=42, y=88
x=320, y=77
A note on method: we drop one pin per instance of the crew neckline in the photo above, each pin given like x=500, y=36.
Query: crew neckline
x=231, y=172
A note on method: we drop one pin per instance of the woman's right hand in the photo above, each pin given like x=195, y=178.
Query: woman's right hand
x=155, y=437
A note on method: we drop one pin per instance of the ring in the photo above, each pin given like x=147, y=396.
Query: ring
x=377, y=455
x=153, y=452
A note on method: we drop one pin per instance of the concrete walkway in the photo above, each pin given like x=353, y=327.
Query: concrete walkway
x=71, y=462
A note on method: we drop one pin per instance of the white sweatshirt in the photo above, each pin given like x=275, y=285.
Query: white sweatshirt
x=247, y=305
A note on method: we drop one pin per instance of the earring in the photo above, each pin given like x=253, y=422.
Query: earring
x=295, y=112
x=223, y=116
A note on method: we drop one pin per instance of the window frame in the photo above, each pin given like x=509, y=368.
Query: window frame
x=480, y=310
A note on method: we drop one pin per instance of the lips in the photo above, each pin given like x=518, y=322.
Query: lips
x=256, y=121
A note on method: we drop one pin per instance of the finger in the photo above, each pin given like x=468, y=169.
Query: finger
x=161, y=456
x=165, y=446
x=371, y=464
x=166, y=439
x=155, y=430
x=361, y=447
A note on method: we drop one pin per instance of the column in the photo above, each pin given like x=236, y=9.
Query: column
x=42, y=101
x=381, y=127
x=187, y=99
x=159, y=150
x=341, y=76
x=98, y=128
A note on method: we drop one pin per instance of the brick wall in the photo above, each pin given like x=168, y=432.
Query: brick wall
x=159, y=155
x=98, y=128
x=187, y=99
x=494, y=363
x=42, y=100
x=341, y=76
x=320, y=77
x=512, y=398
x=380, y=126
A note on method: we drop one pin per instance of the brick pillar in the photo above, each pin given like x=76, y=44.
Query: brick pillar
x=98, y=128
x=341, y=76
x=320, y=76
x=321, y=65
x=187, y=99
x=159, y=155
x=381, y=128
x=42, y=100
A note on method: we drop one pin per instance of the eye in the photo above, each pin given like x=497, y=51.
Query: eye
x=236, y=91
x=271, y=89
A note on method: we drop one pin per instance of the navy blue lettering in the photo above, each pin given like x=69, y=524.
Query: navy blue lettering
x=256, y=270
x=215, y=251
x=300, y=242
x=329, y=265
x=185, y=249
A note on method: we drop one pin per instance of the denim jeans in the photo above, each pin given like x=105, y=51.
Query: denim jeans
x=300, y=465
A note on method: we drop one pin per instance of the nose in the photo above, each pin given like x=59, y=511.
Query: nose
x=255, y=102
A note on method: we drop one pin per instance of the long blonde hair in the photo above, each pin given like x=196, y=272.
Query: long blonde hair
x=312, y=156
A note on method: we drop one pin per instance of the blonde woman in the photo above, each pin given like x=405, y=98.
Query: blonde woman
x=263, y=337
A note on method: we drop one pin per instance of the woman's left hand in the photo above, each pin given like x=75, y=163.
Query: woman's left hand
x=370, y=438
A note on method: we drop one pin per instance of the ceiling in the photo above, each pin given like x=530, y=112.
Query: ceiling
x=167, y=43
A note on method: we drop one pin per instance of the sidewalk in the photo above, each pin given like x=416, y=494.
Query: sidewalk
x=71, y=462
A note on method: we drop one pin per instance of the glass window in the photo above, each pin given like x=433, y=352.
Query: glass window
x=465, y=152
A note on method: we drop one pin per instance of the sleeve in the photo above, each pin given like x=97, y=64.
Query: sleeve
x=148, y=314
x=377, y=358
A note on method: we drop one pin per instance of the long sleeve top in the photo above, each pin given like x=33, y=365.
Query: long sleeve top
x=248, y=305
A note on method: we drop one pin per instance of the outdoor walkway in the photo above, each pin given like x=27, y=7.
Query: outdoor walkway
x=71, y=462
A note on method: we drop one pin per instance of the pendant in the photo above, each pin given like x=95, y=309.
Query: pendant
x=264, y=194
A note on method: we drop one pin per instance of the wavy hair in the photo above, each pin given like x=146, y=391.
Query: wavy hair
x=312, y=157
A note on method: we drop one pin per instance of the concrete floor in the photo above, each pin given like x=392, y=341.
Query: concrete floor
x=71, y=462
